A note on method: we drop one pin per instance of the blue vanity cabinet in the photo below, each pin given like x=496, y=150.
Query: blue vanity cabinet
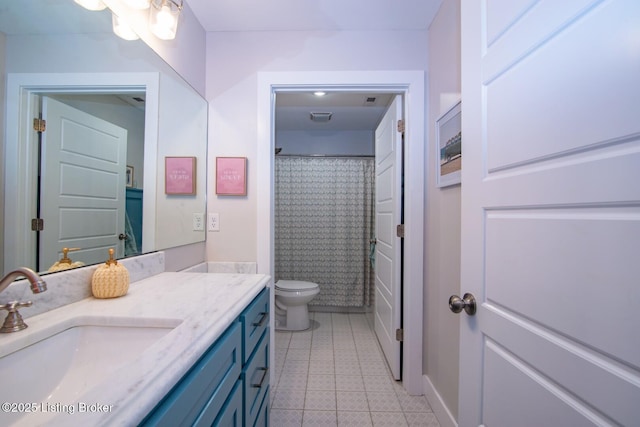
x=229, y=384
x=255, y=355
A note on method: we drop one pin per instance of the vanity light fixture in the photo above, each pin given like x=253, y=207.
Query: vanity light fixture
x=94, y=5
x=163, y=18
x=162, y=21
x=137, y=4
x=122, y=29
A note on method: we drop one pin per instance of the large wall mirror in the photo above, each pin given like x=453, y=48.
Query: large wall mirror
x=94, y=178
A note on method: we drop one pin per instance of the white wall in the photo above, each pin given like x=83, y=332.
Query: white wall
x=442, y=222
x=351, y=143
x=234, y=60
x=2, y=149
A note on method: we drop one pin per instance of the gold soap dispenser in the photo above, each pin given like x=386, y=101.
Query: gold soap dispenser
x=65, y=263
x=110, y=280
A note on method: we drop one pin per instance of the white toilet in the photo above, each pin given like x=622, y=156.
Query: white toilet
x=291, y=299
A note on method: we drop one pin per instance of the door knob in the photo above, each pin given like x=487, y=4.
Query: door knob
x=123, y=236
x=466, y=303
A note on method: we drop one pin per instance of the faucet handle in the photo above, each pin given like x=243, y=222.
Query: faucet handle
x=13, y=322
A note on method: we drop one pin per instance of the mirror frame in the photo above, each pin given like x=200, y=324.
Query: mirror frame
x=21, y=88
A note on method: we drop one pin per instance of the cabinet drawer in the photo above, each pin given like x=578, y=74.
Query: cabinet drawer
x=231, y=413
x=255, y=378
x=262, y=420
x=205, y=386
x=255, y=320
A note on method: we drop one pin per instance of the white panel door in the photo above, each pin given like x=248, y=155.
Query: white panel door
x=551, y=213
x=388, y=297
x=83, y=185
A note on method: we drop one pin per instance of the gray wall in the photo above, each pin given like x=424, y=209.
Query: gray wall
x=352, y=143
x=442, y=222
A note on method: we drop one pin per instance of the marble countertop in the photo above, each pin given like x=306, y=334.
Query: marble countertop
x=202, y=305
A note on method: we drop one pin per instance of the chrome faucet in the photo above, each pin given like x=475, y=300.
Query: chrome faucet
x=37, y=284
x=13, y=321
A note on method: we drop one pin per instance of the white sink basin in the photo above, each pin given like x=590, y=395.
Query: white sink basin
x=56, y=365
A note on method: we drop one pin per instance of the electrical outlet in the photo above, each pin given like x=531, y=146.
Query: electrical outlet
x=214, y=222
x=198, y=222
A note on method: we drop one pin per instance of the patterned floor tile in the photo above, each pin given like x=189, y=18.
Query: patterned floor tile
x=377, y=383
x=383, y=402
x=295, y=381
x=322, y=367
x=336, y=374
x=388, y=419
x=285, y=418
x=321, y=382
x=320, y=400
x=298, y=354
x=414, y=403
x=347, y=367
x=352, y=401
x=288, y=399
x=319, y=419
x=354, y=419
x=349, y=383
x=422, y=419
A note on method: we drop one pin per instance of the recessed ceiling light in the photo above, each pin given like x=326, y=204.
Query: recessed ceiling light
x=319, y=93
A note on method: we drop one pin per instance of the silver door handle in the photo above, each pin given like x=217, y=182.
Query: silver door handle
x=466, y=303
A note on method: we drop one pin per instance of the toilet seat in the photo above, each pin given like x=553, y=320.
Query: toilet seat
x=295, y=285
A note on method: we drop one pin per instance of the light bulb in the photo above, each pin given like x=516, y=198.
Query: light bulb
x=164, y=20
x=122, y=29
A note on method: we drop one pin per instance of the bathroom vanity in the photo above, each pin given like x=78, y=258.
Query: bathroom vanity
x=178, y=349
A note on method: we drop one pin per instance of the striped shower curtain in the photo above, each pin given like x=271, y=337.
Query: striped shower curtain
x=324, y=220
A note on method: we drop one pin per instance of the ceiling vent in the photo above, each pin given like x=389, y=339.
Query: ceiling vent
x=320, y=117
x=370, y=100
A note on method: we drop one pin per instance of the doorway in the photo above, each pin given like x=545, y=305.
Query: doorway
x=21, y=147
x=411, y=85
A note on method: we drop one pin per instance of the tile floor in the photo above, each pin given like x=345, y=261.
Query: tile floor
x=335, y=375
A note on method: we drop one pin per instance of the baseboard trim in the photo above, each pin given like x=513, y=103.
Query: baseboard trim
x=440, y=409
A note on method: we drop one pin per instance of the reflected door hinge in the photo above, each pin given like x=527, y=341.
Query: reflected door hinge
x=39, y=125
x=399, y=334
x=401, y=126
x=37, y=224
x=400, y=230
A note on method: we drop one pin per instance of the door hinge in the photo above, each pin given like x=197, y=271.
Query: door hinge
x=37, y=224
x=400, y=230
x=39, y=125
x=401, y=126
x=399, y=334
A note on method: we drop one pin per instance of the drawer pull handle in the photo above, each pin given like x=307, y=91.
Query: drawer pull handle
x=265, y=371
x=263, y=320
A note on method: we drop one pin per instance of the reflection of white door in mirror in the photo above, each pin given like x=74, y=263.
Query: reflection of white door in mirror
x=77, y=90
x=57, y=47
x=82, y=191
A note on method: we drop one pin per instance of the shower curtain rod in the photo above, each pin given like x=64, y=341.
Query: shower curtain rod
x=328, y=156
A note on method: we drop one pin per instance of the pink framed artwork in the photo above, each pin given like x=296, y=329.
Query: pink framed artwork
x=231, y=176
x=180, y=175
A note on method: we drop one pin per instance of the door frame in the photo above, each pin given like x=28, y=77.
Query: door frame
x=20, y=146
x=411, y=85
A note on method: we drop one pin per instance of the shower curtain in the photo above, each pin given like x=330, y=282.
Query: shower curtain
x=324, y=221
